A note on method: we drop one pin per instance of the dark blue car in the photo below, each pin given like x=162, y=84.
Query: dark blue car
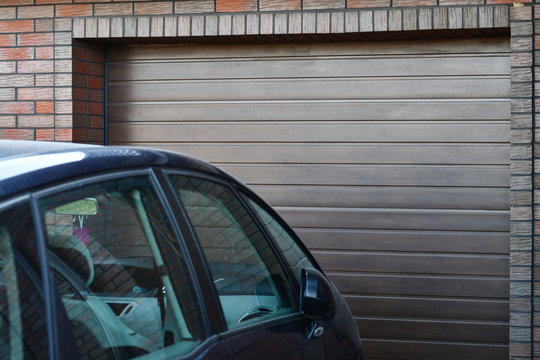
x=115, y=253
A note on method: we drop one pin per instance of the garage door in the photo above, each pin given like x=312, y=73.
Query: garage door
x=390, y=159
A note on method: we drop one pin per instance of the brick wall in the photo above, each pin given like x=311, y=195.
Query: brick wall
x=52, y=77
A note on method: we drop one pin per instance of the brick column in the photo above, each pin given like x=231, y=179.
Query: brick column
x=536, y=194
x=521, y=182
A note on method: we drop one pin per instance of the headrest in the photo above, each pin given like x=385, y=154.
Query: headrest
x=77, y=254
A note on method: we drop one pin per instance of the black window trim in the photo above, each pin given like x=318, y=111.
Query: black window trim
x=160, y=185
x=231, y=185
x=50, y=302
x=266, y=207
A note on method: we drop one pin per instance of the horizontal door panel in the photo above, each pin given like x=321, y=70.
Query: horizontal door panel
x=304, y=89
x=311, y=132
x=434, y=330
x=286, y=67
x=467, y=287
x=413, y=263
x=413, y=349
x=279, y=153
x=403, y=175
x=312, y=110
x=428, y=308
x=474, y=242
x=490, y=46
x=386, y=197
x=406, y=219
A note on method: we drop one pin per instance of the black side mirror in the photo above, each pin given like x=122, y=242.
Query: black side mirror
x=317, y=299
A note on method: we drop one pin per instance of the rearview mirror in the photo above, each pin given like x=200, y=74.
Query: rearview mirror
x=317, y=299
x=82, y=207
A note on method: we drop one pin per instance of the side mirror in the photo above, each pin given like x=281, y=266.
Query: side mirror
x=317, y=299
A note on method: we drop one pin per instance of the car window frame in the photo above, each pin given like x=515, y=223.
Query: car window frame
x=234, y=187
x=159, y=186
x=250, y=194
x=56, y=320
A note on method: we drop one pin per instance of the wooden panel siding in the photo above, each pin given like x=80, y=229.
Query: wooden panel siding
x=390, y=160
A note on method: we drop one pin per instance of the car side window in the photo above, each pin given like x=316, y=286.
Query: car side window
x=120, y=272
x=295, y=256
x=23, y=327
x=247, y=275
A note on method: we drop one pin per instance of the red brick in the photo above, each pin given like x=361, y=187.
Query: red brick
x=80, y=67
x=17, y=107
x=356, y=4
x=96, y=95
x=81, y=94
x=113, y=9
x=79, y=80
x=96, y=108
x=97, y=122
x=80, y=107
x=17, y=134
x=81, y=121
x=80, y=53
x=236, y=5
x=414, y=3
x=8, y=40
x=73, y=10
x=45, y=134
x=36, y=66
x=95, y=55
x=21, y=53
x=17, y=2
x=39, y=2
x=44, y=52
x=35, y=94
x=35, y=39
x=461, y=2
x=16, y=26
x=95, y=82
x=63, y=134
x=154, y=8
x=95, y=135
x=97, y=69
x=277, y=5
x=79, y=135
x=505, y=2
x=44, y=107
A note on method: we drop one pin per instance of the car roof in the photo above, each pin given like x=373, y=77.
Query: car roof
x=25, y=165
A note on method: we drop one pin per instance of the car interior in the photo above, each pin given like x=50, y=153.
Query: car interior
x=106, y=255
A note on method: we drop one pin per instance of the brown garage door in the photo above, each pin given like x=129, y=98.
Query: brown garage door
x=390, y=159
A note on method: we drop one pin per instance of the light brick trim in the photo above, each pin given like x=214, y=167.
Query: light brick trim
x=521, y=183
x=442, y=21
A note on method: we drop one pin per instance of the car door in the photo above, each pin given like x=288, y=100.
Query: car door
x=339, y=334
x=257, y=293
x=121, y=272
